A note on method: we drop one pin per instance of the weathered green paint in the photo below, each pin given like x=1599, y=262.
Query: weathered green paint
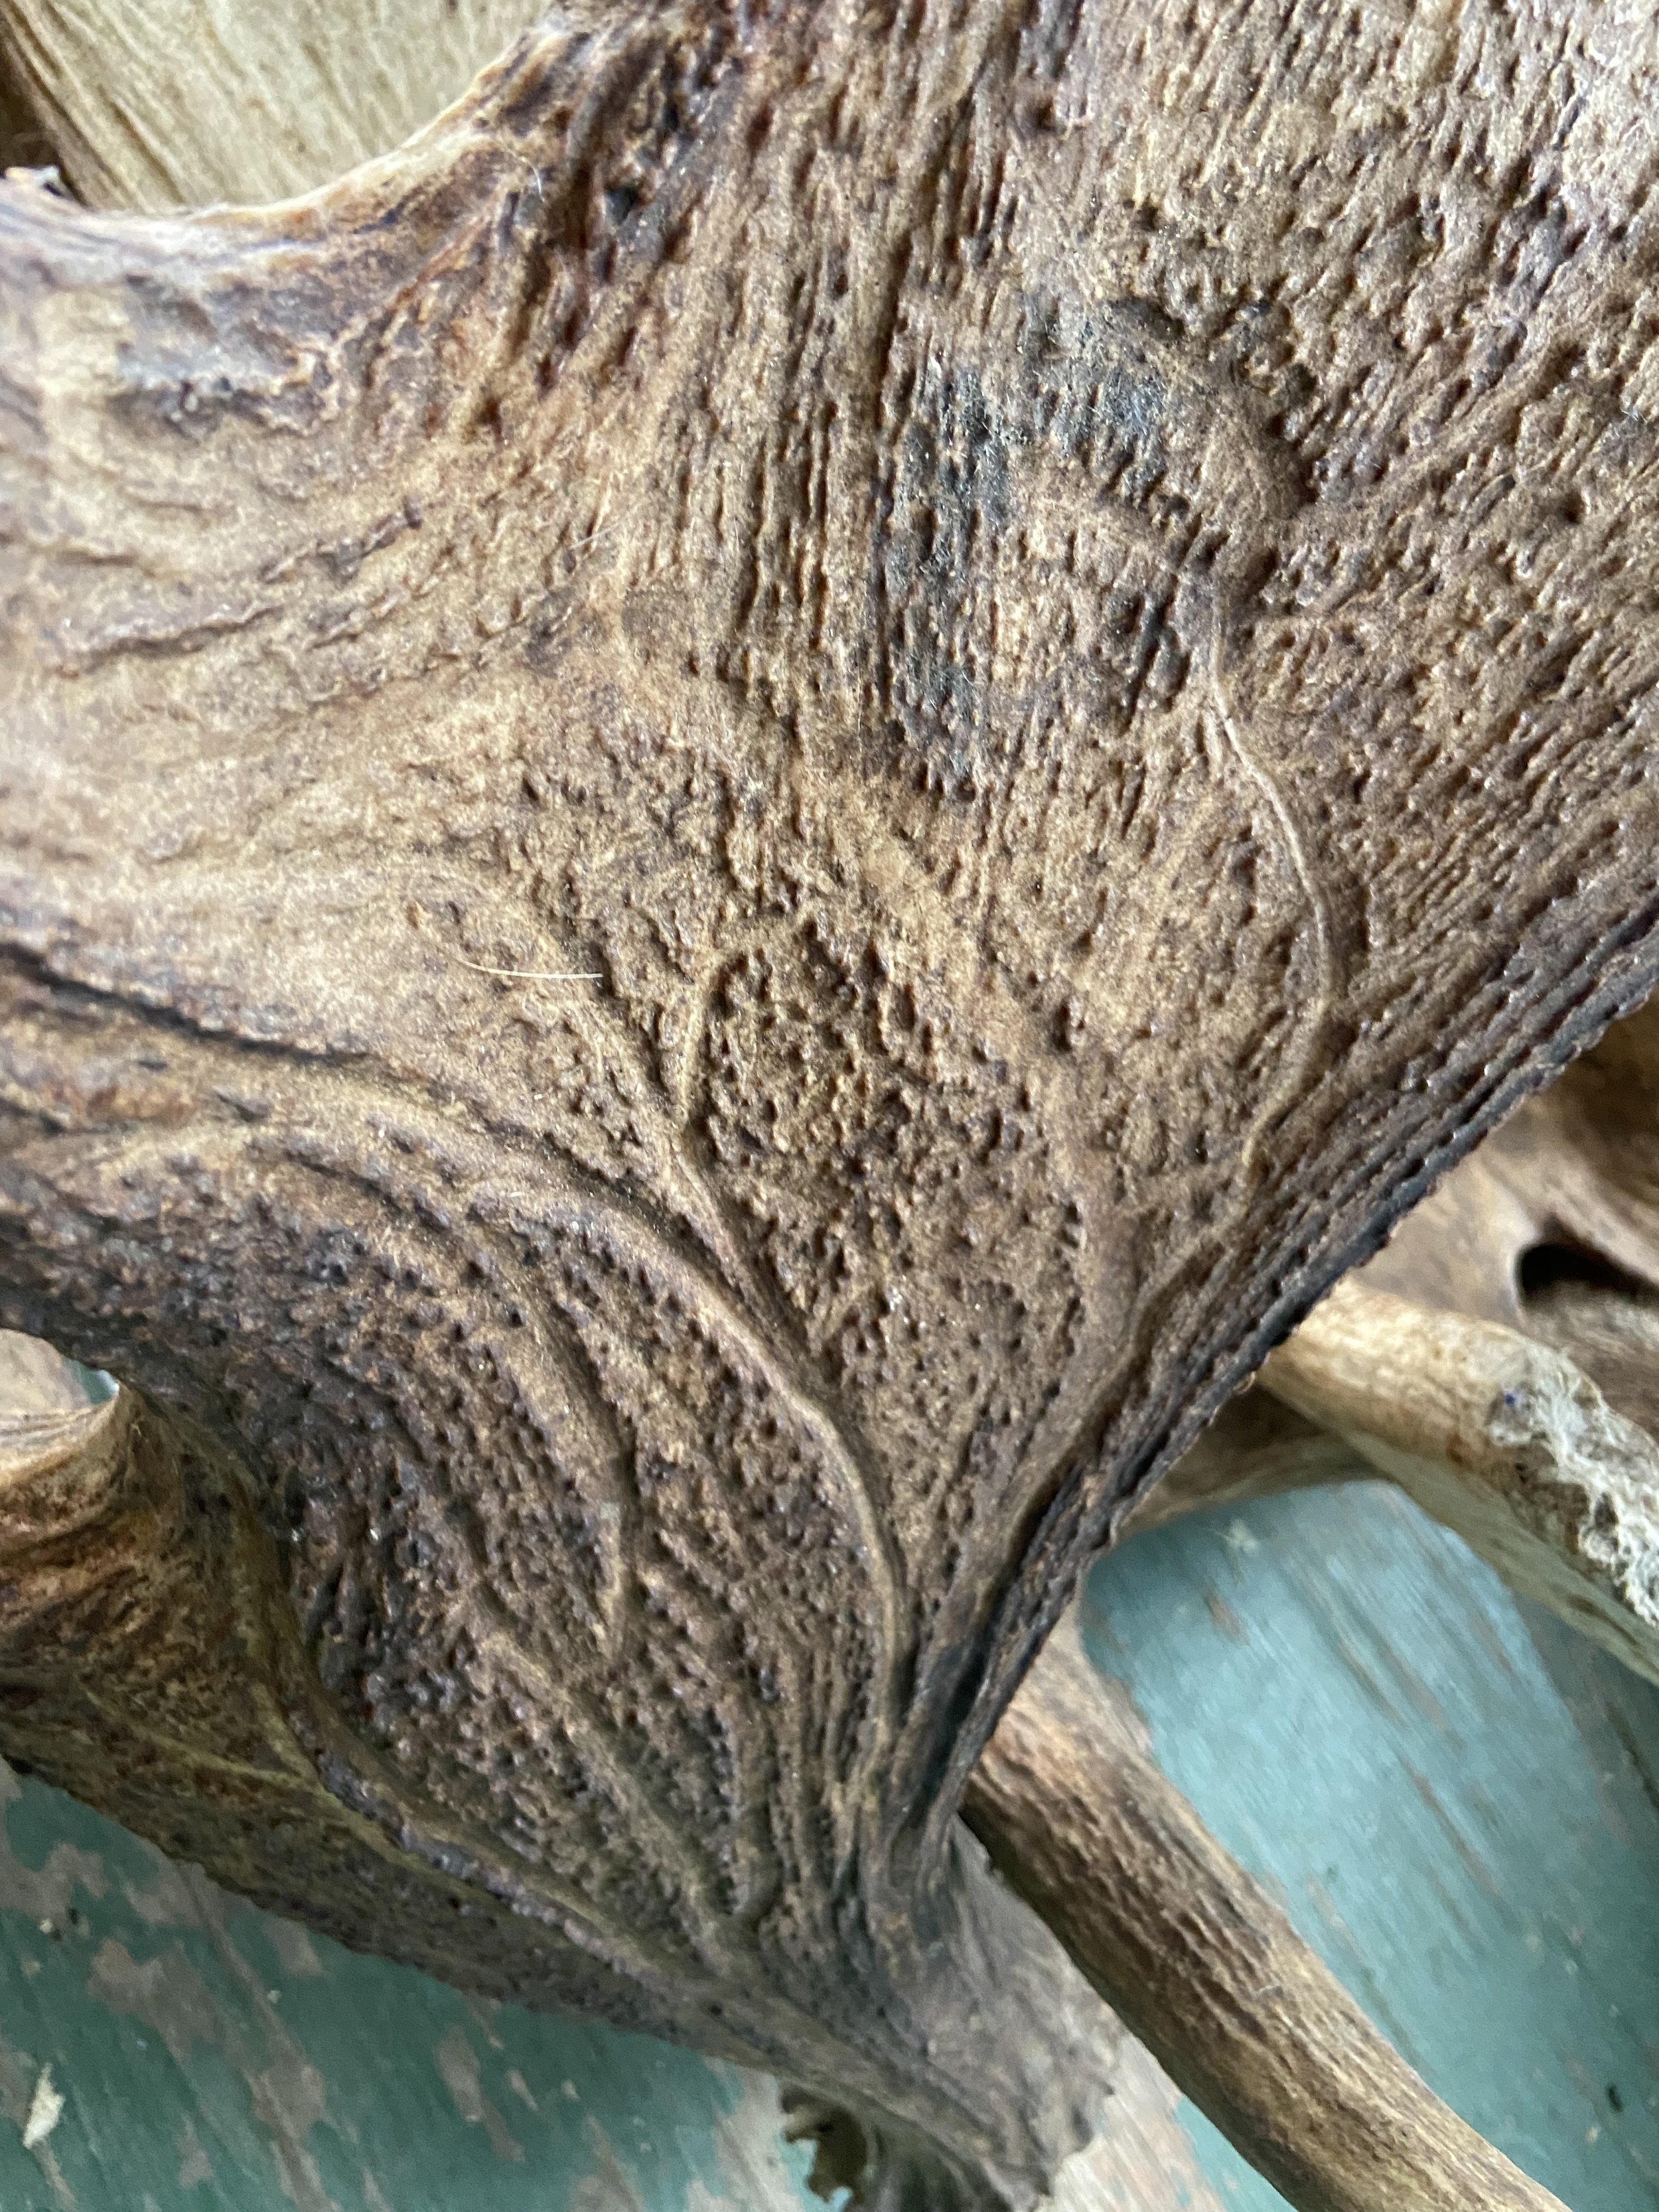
x=1455, y=1804
x=1452, y=1797
x=209, y=2057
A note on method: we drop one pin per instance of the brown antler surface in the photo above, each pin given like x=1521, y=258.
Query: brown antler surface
x=1207, y=1970
x=745, y=815
x=1499, y=1359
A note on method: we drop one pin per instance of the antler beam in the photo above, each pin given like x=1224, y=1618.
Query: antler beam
x=749, y=811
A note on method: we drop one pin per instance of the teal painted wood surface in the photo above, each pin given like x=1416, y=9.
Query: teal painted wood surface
x=1456, y=1803
x=1453, y=1797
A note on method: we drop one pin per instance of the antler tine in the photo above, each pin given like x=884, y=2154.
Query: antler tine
x=1207, y=1971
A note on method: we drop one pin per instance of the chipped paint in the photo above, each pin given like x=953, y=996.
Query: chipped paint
x=20, y=2077
x=195, y=2166
x=46, y=2110
x=295, y=1950
x=169, y=1994
x=748, y=2147
x=46, y=1893
x=1146, y=2161
x=609, y=2187
x=458, y=2066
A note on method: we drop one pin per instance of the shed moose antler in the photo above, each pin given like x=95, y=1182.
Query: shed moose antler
x=746, y=813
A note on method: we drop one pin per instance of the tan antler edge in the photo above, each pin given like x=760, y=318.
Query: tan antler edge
x=1502, y=1439
x=1208, y=1972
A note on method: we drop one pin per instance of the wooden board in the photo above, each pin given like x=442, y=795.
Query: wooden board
x=1458, y=1805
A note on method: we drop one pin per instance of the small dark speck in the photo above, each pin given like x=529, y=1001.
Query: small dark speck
x=1613, y=2097
x=250, y=1109
x=1224, y=1616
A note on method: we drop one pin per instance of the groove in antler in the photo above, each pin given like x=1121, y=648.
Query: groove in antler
x=149, y=1663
